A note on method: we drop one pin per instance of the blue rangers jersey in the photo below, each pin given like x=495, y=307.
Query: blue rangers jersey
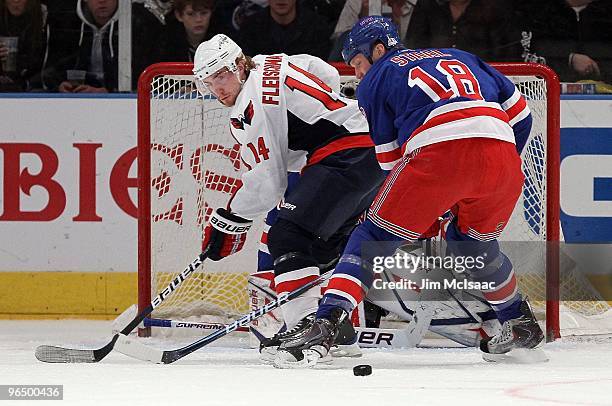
x=414, y=98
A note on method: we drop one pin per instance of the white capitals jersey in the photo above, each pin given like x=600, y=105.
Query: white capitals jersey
x=289, y=115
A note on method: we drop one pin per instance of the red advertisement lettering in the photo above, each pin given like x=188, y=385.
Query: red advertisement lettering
x=17, y=180
x=87, y=182
x=120, y=182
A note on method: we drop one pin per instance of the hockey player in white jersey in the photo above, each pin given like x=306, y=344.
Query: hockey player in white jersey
x=287, y=116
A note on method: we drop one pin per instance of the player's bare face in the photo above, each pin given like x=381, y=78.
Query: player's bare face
x=224, y=85
x=361, y=64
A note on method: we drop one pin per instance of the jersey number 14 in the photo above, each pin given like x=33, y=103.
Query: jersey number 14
x=261, y=152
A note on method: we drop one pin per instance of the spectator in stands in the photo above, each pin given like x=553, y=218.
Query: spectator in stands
x=98, y=50
x=196, y=23
x=95, y=48
x=401, y=12
x=575, y=38
x=25, y=20
x=519, y=33
x=353, y=10
x=242, y=11
x=330, y=10
x=150, y=19
x=63, y=29
x=160, y=9
x=285, y=26
x=476, y=26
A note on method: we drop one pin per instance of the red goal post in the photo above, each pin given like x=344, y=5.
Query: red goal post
x=553, y=163
x=155, y=113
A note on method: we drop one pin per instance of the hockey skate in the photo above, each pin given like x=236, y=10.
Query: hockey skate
x=518, y=341
x=269, y=346
x=346, y=342
x=326, y=338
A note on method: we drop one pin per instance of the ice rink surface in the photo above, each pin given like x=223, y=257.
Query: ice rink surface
x=578, y=373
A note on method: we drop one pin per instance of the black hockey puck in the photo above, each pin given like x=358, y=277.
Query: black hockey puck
x=362, y=370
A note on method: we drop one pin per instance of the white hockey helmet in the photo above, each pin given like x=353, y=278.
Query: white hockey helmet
x=216, y=53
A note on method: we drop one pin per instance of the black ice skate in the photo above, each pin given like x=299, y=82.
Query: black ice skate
x=269, y=346
x=334, y=336
x=518, y=340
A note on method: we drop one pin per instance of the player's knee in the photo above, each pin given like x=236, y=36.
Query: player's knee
x=293, y=261
x=328, y=252
x=285, y=237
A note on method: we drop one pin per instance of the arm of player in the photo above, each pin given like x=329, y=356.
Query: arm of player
x=515, y=105
x=519, y=114
x=380, y=120
x=265, y=155
x=262, y=188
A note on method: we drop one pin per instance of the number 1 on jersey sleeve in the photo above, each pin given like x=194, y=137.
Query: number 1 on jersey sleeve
x=323, y=94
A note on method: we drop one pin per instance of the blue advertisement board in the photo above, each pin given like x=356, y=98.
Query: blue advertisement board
x=586, y=184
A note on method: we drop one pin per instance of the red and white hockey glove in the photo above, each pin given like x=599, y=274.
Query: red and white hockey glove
x=225, y=234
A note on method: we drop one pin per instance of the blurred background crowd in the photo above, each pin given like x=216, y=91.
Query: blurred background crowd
x=73, y=45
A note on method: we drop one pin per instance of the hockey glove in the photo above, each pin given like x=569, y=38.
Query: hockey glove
x=225, y=234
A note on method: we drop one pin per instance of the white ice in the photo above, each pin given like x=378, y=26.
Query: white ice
x=578, y=373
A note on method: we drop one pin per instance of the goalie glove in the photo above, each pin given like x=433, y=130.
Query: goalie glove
x=225, y=234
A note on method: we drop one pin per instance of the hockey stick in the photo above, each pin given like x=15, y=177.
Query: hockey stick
x=183, y=324
x=132, y=348
x=50, y=353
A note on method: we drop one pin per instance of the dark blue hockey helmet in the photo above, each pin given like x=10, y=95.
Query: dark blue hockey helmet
x=365, y=33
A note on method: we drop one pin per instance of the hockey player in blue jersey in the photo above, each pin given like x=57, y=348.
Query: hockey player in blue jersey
x=449, y=128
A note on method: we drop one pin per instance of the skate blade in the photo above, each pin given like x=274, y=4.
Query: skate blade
x=267, y=355
x=518, y=356
x=345, y=351
x=284, y=360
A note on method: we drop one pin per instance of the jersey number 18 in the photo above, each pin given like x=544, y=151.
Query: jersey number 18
x=461, y=81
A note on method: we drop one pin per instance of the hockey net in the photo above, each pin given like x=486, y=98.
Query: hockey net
x=189, y=164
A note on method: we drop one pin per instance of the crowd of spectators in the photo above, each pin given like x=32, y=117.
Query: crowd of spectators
x=73, y=45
